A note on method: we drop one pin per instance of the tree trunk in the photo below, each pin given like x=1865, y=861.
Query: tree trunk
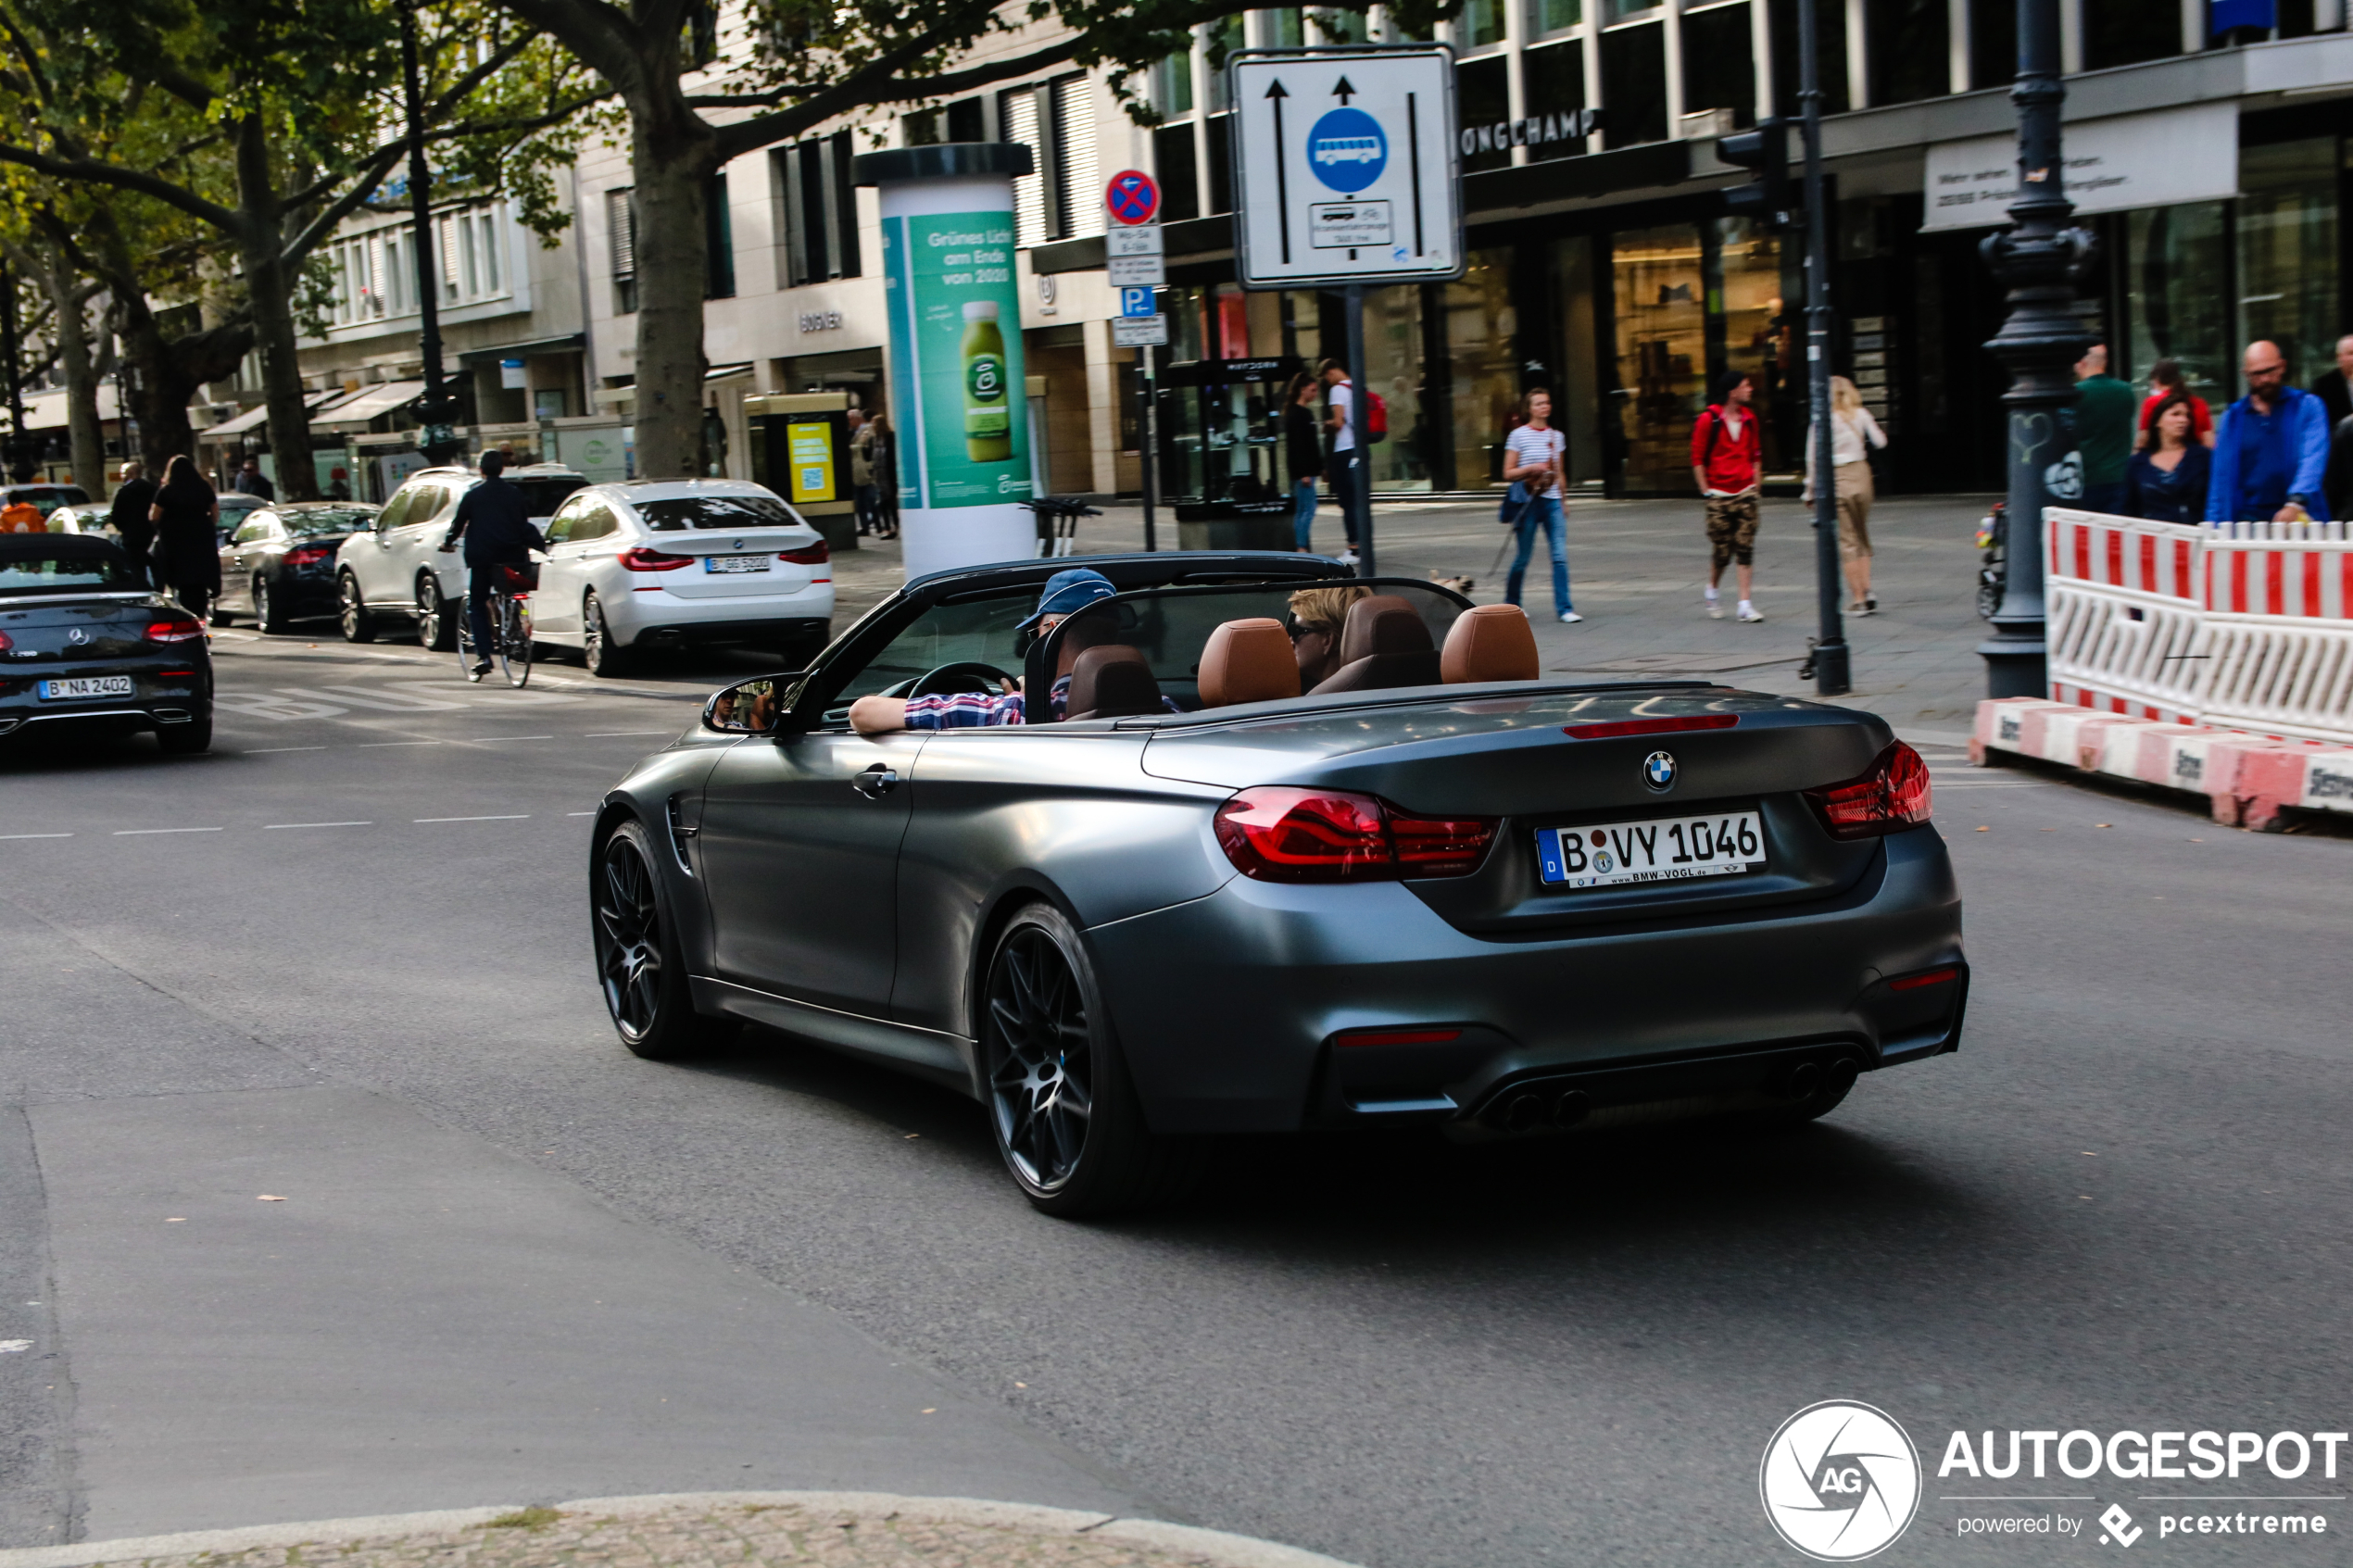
x=673, y=155
x=269, y=287
x=69, y=301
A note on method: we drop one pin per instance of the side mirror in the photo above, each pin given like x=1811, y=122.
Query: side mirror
x=747, y=708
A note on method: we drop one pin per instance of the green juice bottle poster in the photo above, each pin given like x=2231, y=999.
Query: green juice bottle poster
x=958, y=314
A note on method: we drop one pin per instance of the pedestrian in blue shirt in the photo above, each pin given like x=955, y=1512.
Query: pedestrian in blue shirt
x=2271, y=448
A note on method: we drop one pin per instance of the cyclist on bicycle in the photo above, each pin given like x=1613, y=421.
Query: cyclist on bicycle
x=496, y=522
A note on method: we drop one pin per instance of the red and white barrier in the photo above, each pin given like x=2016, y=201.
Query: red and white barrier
x=2246, y=779
x=2123, y=613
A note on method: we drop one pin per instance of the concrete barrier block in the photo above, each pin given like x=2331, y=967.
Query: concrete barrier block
x=2328, y=780
x=2001, y=722
x=2133, y=750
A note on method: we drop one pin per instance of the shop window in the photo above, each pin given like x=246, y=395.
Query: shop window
x=1170, y=86
x=1578, y=395
x=1907, y=45
x=1482, y=351
x=1830, y=33
x=1758, y=333
x=1482, y=103
x=1221, y=167
x=2288, y=253
x=2122, y=33
x=719, y=241
x=967, y=120
x=1720, y=62
x=1659, y=295
x=1548, y=16
x=1179, y=185
x=1553, y=78
x=1479, y=24
x=620, y=232
x=924, y=128
x=2176, y=259
x=1634, y=84
x=1394, y=350
x=1992, y=45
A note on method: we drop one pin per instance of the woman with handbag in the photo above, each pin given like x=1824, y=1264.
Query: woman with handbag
x=1532, y=462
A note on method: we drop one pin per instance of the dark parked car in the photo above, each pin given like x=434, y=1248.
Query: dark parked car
x=279, y=565
x=85, y=644
x=1438, y=890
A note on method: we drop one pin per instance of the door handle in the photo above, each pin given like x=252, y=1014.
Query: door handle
x=875, y=782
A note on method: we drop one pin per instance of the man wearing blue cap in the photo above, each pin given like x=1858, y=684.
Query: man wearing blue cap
x=1066, y=593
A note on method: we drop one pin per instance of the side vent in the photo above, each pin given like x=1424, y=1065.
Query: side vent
x=681, y=836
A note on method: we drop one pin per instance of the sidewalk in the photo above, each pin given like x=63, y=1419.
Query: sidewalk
x=1635, y=572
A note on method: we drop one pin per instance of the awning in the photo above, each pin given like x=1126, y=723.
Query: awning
x=371, y=401
x=257, y=417
x=47, y=410
x=571, y=343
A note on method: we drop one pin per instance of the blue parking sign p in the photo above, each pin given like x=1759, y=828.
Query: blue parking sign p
x=1136, y=302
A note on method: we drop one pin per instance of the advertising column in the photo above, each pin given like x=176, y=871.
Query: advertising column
x=962, y=446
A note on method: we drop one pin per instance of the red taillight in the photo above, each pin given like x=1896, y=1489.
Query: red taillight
x=6, y=642
x=175, y=674
x=309, y=555
x=174, y=631
x=1278, y=833
x=1931, y=977
x=1397, y=1037
x=644, y=560
x=1650, y=726
x=1892, y=797
x=817, y=554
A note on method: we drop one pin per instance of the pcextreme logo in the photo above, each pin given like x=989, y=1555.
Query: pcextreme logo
x=1841, y=1481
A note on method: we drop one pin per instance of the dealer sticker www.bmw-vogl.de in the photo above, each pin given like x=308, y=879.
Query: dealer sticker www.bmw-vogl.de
x=1665, y=849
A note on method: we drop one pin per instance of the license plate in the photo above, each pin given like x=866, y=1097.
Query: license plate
x=88, y=686
x=735, y=563
x=1662, y=849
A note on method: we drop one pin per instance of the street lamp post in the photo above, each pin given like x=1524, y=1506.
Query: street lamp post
x=1828, y=659
x=2039, y=259
x=436, y=409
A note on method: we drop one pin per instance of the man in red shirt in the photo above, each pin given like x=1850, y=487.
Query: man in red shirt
x=1727, y=454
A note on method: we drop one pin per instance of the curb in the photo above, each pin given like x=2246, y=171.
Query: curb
x=1218, y=1549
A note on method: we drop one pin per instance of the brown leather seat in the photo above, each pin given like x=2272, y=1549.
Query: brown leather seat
x=1248, y=661
x=1490, y=643
x=1113, y=682
x=1383, y=644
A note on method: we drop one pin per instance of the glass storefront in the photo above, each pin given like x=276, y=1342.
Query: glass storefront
x=1662, y=350
x=2173, y=256
x=2287, y=253
x=1395, y=345
x=1481, y=328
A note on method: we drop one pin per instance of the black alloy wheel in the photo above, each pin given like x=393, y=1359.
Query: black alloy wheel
x=639, y=966
x=1065, y=1117
x=359, y=625
x=433, y=629
x=596, y=642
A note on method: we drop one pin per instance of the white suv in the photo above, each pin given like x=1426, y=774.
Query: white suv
x=397, y=569
x=663, y=563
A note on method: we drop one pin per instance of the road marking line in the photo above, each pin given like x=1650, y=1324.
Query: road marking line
x=517, y=817
x=35, y=835
x=609, y=735
x=485, y=740
x=131, y=832
x=372, y=744
x=69, y=836
x=273, y=827
x=266, y=750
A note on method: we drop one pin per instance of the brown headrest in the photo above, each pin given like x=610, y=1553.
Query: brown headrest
x=1382, y=623
x=1248, y=661
x=1113, y=682
x=1082, y=632
x=1490, y=643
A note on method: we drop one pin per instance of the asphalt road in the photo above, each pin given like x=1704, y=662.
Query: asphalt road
x=511, y=1261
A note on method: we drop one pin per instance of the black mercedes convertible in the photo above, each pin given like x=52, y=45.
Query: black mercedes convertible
x=87, y=647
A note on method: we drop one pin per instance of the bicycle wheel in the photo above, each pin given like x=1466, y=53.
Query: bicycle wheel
x=464, y=643
x=514, y=638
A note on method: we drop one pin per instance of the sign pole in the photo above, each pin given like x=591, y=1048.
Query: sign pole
x=1360, y=395
x=1830, y=659
x=1151, y=445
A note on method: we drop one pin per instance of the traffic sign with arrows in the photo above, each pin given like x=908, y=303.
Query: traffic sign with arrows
x=1344, y=165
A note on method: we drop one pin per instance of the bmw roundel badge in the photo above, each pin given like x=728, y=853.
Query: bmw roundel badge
x=1658, y=771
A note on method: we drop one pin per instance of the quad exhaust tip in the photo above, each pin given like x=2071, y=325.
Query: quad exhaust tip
x=1540, y=1106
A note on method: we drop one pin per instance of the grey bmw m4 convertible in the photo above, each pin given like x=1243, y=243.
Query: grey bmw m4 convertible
x=1115, y=875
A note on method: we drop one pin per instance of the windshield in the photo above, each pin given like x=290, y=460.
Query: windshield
x=238, y=501
x=675, y=513
x=48, y=499
x=541, y=496
x=337, y=520
x=979, y=630
x=76, y=572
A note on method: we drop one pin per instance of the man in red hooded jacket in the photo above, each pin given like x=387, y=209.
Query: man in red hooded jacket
x=1727, y=454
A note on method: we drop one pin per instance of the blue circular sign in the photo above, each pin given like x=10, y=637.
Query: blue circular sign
x=1347, y=151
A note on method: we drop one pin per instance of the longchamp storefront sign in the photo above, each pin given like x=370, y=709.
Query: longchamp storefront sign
x=2134, y=161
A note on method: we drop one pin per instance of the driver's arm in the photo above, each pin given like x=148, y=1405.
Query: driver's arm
x=878, y=715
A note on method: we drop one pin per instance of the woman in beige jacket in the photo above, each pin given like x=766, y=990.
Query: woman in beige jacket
x=1851, y=427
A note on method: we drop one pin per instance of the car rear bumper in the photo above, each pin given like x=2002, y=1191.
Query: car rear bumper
x=161, y=715
x=679, y=623
x=1263, y=1007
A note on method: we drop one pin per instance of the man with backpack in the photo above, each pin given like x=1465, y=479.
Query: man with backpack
x=1727, y=458
x=1349, y=475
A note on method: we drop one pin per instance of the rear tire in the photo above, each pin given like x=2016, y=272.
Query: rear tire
x=186, y=740
x=639, y=966
x=596, y=650
x=265, y=614
x=514, y=639
x=359, y=624
x=435, y=632
x=1064, y=1112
